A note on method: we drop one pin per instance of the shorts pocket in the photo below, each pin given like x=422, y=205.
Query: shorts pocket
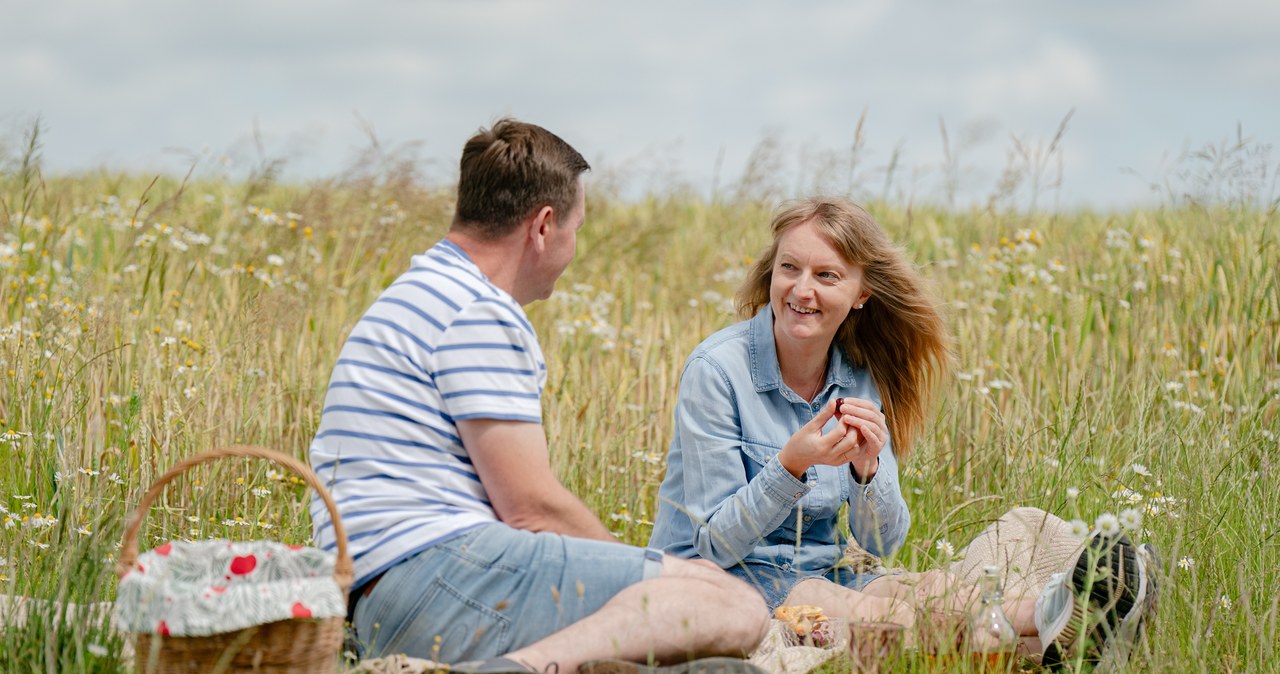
x=466, y=629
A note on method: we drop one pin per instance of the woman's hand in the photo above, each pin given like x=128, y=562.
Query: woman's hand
x=809, y=446
x=864, y=419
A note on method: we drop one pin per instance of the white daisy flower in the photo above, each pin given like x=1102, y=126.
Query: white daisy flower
x=1079, y=529
x=1131, y=519
x=1107, y=524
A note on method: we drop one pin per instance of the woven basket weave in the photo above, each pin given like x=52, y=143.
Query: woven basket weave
x=284, y=647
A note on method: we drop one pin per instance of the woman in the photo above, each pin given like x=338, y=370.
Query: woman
x=763, y=459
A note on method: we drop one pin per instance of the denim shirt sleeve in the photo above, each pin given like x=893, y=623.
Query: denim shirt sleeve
x=730, y=515
x=878, y=515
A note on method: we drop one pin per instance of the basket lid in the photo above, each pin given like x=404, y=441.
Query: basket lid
x=199, y=588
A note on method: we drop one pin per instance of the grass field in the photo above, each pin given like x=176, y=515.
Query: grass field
x=1105, y=362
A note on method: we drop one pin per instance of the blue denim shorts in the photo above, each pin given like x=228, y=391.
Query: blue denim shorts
x=774, y=583
x=492, y=590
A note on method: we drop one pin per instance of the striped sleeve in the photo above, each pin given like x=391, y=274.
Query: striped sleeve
x=488, y=365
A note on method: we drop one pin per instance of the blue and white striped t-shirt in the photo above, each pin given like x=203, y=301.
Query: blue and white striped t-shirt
x=441, y=344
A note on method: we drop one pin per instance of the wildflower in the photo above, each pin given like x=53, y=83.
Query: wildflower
x=275, y=260
x=1225, y=602
x=1079, y=529
x=114, y=478
x=97, y=650
x=261, y=492
x=1173, y=386
x=1186, y=563
x=1140, y=469
x=1131, y=519
x=1073, y=492
x=1107, y=524
x=9, y=523
x=84, y=531
x=945, y=547
x=88, y=471
x=12, y=437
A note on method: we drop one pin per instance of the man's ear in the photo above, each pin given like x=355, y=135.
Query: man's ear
x=539, y=227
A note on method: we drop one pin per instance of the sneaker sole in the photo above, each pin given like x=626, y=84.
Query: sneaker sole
x=1112, y=590
x=1120, y=646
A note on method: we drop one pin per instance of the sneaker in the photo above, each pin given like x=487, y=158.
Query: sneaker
x=1107, y=594
x=1130, y=630
x=719, y=665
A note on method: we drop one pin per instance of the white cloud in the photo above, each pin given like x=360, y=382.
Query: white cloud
x=1056, y=77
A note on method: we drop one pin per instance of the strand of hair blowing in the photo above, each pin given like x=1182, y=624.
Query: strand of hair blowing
x=900, y=337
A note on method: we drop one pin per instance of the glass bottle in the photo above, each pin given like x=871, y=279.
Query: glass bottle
x=992, y=641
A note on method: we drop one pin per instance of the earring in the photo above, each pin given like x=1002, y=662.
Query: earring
x=858, y=307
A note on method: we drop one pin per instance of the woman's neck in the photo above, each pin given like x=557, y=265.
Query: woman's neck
x=803, y=369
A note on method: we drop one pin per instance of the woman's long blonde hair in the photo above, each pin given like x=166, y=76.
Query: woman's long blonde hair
x=898, y=335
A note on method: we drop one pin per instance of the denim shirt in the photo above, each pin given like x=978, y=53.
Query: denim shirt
x=727, y=498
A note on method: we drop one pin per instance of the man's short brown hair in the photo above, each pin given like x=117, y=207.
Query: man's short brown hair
x=509, y=171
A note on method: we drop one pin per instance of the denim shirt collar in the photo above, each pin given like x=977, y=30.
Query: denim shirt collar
x=766, y=373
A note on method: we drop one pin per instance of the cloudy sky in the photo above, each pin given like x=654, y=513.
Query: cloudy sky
x=661, y=93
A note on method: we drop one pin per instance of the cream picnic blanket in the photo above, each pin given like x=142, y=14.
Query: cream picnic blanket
x=1027, y=544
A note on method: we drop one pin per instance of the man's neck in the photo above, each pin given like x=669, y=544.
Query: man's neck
x=498, y=260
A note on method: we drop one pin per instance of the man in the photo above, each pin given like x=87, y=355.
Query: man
x=466, y=545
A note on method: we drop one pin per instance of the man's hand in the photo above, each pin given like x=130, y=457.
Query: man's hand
x=514, y=467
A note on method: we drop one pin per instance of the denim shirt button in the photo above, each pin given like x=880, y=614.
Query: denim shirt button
x=808, y=518
x=786, y=567
x=799, y=494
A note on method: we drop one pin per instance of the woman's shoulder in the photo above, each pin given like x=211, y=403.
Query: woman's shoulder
x=725, y=343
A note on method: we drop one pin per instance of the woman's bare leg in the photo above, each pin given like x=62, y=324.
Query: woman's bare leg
x=841, y=602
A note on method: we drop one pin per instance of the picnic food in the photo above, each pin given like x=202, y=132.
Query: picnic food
x=809, y=623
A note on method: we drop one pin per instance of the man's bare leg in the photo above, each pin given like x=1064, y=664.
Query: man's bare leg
x=689, y=611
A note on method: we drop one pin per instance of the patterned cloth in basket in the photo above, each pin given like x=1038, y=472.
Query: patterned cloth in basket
x=201, y=588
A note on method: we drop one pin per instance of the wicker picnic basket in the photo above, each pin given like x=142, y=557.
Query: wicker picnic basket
x=281, y=647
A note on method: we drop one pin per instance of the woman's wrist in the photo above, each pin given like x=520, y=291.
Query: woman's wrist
x=867, y=474
x=791, y=466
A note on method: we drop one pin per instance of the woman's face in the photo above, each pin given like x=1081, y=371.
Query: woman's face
x=813, y=288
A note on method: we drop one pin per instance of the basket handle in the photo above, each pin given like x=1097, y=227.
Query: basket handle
x=342, y=570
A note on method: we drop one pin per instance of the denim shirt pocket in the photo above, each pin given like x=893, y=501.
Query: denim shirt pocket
x=758, y=454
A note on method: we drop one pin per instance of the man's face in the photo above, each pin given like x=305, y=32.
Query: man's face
x=562, y=242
